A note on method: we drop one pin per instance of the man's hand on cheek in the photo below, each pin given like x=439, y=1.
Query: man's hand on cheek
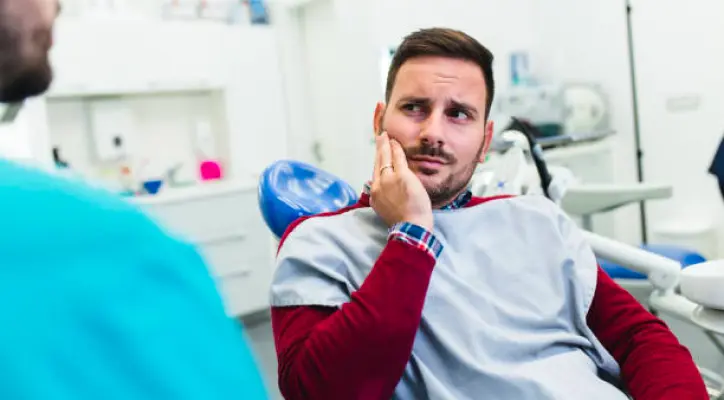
x=397, y=194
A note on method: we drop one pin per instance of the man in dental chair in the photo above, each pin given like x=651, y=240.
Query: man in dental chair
x=422, y=291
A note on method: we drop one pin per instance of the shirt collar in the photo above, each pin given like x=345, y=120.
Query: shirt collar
x=459, y=202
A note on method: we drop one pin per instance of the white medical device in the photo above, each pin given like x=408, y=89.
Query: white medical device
x=539, y=104
x=586, y=108
x=575, y=107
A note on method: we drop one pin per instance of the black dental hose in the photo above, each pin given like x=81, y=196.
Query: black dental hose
x=536, y=151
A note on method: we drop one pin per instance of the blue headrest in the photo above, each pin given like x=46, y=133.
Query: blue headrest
x=292, y=189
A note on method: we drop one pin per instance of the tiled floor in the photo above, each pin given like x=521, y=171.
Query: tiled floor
x=259, y=333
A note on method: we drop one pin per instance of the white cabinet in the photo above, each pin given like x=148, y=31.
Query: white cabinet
x=224, y=222
x=119, y=56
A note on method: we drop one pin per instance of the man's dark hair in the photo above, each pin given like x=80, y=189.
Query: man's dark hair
x=443, y=42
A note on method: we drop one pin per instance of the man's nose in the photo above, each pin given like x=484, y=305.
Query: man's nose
x=432, y=129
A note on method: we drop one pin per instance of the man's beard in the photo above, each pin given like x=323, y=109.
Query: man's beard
x=454, y=184
x=23, y=75
x=445, y=192
x=28, y=82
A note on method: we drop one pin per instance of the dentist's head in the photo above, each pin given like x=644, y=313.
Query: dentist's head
x=25, y=40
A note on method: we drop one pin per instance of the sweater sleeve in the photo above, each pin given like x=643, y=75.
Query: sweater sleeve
x=360, y=350
x=654, y=365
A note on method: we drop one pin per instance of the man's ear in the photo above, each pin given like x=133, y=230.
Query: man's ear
x=379, y=116
x=487, y=139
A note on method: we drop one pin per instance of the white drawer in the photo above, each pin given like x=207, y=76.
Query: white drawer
x=238, y=255
x=209, y=219
x=246, y=292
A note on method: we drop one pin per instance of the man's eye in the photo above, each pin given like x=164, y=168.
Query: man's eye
x=414, y=108
x=459, y=115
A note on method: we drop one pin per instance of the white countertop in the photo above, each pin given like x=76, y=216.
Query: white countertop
x=174, y=195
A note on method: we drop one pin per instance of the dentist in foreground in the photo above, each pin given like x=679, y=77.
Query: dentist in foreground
x=97, y=301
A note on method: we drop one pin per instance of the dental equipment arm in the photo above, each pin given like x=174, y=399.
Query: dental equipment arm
x=699, y=282
x=661, y=271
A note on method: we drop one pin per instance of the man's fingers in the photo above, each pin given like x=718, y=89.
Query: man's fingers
x=399, y=160
x=376, y=172
x=385, y=153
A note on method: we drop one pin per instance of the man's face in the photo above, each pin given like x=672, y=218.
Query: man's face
x=437, y=113
x=25, y=40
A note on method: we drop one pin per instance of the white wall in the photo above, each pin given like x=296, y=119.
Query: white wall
x=343, y=42
x=680, y=59
x=678, y=63
x=26, y=139
x=503, y=27
x=341, y=67
x=287, y=23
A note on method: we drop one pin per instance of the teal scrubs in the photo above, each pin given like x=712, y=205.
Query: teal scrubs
x=98, y=302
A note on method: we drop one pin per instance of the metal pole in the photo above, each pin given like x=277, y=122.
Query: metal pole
x=637, y=129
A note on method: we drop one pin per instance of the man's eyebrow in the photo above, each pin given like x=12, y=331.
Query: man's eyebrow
x=464, y=106
x=452, y=103
x=413, y=99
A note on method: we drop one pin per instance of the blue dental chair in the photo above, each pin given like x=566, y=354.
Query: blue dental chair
x=289, y=190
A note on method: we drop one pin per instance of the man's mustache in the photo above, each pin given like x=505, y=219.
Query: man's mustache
x=429, y=151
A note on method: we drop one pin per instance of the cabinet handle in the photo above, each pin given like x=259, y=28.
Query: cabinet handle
x=222, y=238
x=237, y=274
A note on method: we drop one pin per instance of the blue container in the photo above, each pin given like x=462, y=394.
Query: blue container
x=519, y=69
x=153, y=186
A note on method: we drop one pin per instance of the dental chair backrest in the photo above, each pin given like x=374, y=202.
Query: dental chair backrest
x=289, y=190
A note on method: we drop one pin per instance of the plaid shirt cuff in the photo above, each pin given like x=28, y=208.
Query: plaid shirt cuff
x=416, y=236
